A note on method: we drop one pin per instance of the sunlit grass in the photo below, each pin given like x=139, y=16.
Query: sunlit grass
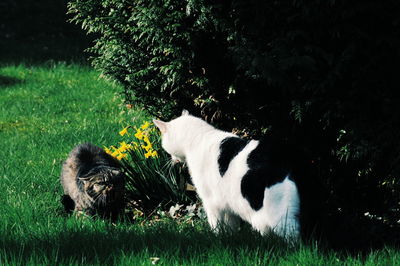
x=44, y=112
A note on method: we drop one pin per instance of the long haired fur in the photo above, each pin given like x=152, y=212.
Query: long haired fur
x=92, y=182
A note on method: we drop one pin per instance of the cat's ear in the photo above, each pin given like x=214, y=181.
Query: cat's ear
x=162, y=126
x=185, y=112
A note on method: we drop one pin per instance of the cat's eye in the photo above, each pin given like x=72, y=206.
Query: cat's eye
x=97, y=187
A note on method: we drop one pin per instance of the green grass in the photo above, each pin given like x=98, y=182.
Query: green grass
x=45, y=111
x=46, y=108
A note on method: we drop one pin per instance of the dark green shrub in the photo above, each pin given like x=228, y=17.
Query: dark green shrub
x=321, y=74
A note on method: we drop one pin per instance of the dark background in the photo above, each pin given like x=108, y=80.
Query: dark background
x=38, y=32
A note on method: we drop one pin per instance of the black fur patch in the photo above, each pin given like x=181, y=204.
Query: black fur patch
x=68, y=203
x=229, y=148
x=268, y=165
x=91, y=157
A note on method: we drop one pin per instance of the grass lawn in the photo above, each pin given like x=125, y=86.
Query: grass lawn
x=47, y=109
x=48, y=106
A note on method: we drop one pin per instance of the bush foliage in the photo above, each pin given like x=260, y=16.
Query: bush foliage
x=321, y=74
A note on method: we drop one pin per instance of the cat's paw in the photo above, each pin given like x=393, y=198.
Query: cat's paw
x=81, y=214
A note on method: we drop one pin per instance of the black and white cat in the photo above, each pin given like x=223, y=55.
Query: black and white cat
x=235, y=178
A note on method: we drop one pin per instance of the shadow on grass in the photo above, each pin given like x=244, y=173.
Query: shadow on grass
x=178, y=243
x=6, y=81
x=162, y=240
x=355, y=236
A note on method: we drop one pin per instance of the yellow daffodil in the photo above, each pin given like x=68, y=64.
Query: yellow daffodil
x=146, y=139
x=124, y=146
x=124, y=131
x=147, y=154
x=107, y=150
x=147, y=147
x=115, y=153
x=151, y=153
x=139, y=134
x=145, y=125
x=121, y=155
x=142, y=144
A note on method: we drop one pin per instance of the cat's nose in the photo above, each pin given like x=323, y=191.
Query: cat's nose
x=175, y=160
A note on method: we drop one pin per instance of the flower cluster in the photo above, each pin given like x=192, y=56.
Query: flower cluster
x=141, y=143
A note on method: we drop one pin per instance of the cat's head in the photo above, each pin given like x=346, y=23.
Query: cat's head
x=173, y=135
x=103, y=184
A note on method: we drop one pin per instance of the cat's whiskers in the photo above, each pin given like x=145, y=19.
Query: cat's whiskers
x=167, y=166
x=100, y=198
x=170, y=167
x=91, y=199
x=103, y=199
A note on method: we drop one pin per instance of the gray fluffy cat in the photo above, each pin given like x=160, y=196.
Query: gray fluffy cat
x=92, y=182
